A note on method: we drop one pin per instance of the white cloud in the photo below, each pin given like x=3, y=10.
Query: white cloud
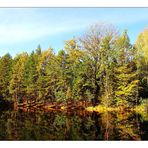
x=25, y=32
x=25, y=25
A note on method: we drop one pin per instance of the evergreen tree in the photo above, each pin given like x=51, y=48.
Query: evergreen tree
x=43, y=81
x=5, y=74
x=16, y=86
x=125, y=76
x=107, y=66
x=74, y=58
x=102, y=67
x=38, y=50
x=142, y=62
x=30, y=77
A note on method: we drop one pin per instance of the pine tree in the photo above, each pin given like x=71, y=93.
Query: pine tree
x=16, y=86
x=142, y=62
x=107, y=68
x=44, y=81
x=5, y=73
x=125, y=76
x=74, y=57
x=30, y=77
x=38, y=50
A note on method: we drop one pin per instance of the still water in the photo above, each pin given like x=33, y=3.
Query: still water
x=76, y=125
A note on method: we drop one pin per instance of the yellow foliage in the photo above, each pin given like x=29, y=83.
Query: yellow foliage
x=142, y=45
x=62, y=107
x=101, y=109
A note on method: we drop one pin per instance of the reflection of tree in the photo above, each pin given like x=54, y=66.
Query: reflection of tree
x=126, y=125
x=24, y=126
x=87, y=128
x=74, y=127
x=59, y=126
x=120, y=126
x=144, y=125
x=96, y=118
x=8, y=126
x=11, y=126
x=107, y=122
x=40, y=125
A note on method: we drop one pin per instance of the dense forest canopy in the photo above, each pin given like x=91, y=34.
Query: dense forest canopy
x=102, y=66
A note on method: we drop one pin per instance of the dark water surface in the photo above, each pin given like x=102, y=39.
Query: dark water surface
x=76, y=125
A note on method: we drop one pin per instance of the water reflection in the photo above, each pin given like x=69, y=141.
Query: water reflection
x=80, y=125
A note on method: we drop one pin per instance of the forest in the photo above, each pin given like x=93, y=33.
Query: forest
x=97, y=71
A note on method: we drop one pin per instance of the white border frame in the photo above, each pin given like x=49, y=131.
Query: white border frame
x=73, y=3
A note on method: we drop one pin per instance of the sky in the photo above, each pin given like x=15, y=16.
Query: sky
x=23, y=29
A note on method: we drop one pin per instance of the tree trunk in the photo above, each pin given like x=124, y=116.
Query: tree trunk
x=95, y=100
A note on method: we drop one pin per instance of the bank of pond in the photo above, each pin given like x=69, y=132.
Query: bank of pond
x=72, y=106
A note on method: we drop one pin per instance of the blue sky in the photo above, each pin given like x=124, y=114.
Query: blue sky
x=22, y=29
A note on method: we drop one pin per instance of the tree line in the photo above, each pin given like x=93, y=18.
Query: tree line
x=102, y=66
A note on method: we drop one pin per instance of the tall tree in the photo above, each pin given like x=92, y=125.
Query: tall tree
x=44, y=80
x=16, y=83
x=30, y=77
x=92, y=44
x=74, y=58
x=125, y=74
x=107, y=65
x=5, y=73
x=142, y=62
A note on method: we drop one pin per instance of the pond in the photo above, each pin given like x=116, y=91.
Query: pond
x=76, y=125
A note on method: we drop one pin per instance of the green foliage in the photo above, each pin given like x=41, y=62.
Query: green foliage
x=16, y=83
x=142, y=62
x=5, y=74
x=102, y=67
x=126, y=89
x=126, y=86
x=30, y=77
